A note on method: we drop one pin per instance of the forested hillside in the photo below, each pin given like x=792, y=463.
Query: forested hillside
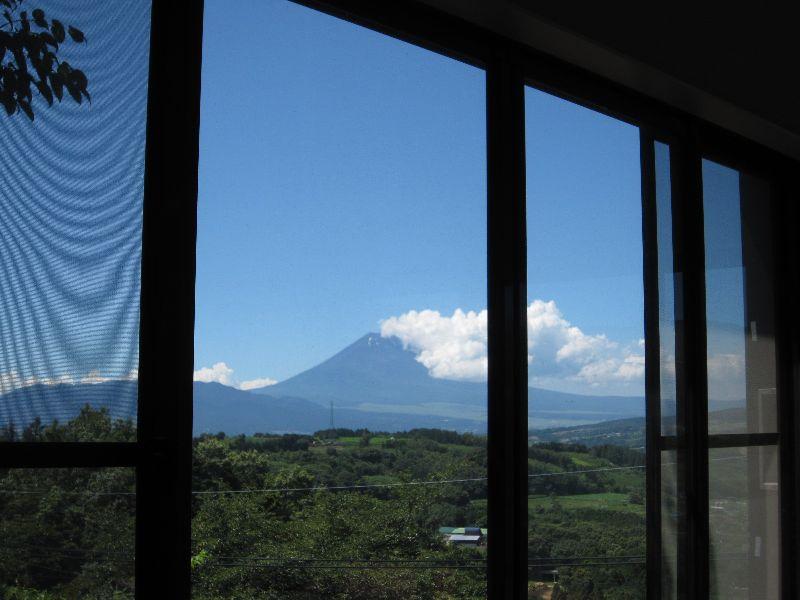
x=338, y=514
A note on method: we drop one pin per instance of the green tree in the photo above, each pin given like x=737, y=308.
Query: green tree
x=29, y=59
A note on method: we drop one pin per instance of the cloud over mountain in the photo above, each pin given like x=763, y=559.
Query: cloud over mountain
x=450, y=347
x=455, y=347
x=13, y=380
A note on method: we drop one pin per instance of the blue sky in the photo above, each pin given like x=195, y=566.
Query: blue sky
x=342, y=184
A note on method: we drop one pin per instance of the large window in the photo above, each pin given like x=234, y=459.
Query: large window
x=72, y=140
x=341, y=361
x=586, y=522
x=71, y=197
x=440, y=317
x=743, y=470
x=714, y=393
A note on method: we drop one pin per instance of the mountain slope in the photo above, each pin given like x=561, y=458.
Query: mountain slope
x=221, y=408
x=378, y=374
x=64, y=401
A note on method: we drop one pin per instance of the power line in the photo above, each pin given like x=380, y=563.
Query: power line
x=402, y=484
x=334, y=488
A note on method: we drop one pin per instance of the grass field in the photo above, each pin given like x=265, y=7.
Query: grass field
x=377, y=440
x=605, y=501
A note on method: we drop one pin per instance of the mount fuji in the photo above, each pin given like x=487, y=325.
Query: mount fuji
x=374, y=383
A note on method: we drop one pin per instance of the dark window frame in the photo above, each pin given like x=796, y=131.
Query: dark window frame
x=162, y=453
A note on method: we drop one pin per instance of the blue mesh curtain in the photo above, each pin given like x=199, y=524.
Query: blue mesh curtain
x=71, y=191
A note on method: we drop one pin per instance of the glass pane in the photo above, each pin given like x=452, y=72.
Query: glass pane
x=586, y=526
x=666, y=289
x=672, y=519
x=71, y=211
x=740, y=301
x=67, y=533
x=340, y=384
x=744, y=523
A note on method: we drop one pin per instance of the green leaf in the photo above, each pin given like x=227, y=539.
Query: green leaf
x=76, y=34
x=74, y=92
x=49, y=39
x=7, y=15
x=79, y=78
x=26, y=108
x=38, y=18
x=19, y=58
x=9, y=104
x=45, y=91
x=47, y=61
x=57, y=29
x=57, y=83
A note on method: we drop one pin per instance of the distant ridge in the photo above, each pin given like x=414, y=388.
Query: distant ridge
x=373, y=383
x=220, y=408
x=63, y=401
x=378, y=374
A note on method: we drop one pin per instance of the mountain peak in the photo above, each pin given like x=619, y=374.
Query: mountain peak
x=376, y=340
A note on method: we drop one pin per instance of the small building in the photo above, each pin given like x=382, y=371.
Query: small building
x=464, y=536
x=464, y=540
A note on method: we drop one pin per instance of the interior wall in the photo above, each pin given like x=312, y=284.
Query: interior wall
x=733, y=67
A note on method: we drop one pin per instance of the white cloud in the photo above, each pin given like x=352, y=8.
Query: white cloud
x=12, y=380
x=629, y=368
x=726, y=377
x=450, y=347
x=455, y=347
x=722, y=366
x=222, y=373
x=219, y=373
x=257, y=383
x=555, y=346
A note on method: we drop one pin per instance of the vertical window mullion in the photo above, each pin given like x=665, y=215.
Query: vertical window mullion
x=166, y=347
x=507, y=331
x=652, y=366
x=690, y=346
x=787, y=253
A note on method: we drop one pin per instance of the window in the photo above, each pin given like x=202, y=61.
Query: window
x=714, y=398
x=586, y=460
x=341, y=361
x=70, y=272
x=93, y=211
x=71, y=231
x=67, y=532
x=364, y=196
x=743, y=472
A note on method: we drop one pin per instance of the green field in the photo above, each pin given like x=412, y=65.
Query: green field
x=605, y=501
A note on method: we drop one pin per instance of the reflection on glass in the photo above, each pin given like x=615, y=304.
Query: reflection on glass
x=71, y=195
x=67, y=533
x=672, y=521
x=744, y=523
x=740, y=301
x=340, y=384
x=666, y=289
x=586, y=524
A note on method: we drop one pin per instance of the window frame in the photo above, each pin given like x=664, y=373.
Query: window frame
x=162, y=453
x=691, y=139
